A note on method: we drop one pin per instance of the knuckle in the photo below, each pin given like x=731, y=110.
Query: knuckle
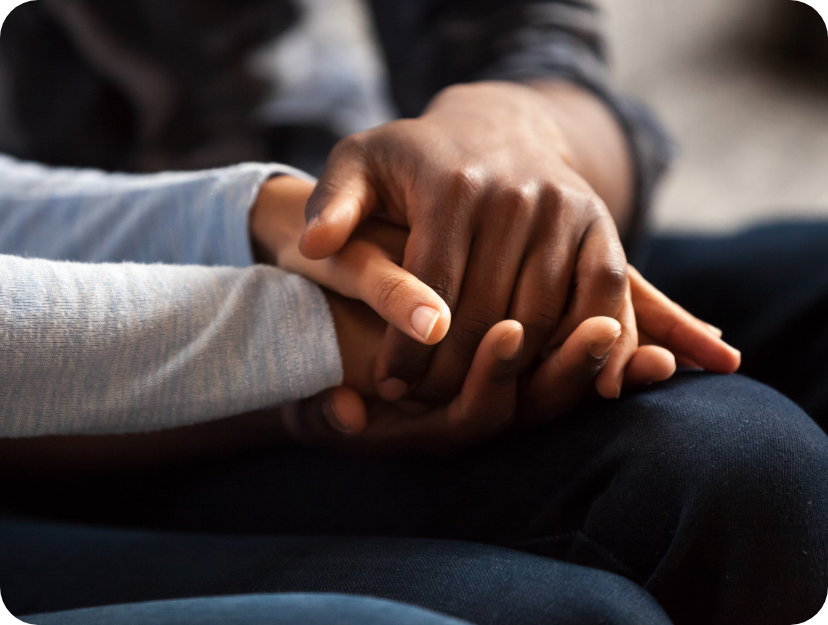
x=470, y=329
x=391, y=292
x=582, y=201
x=411, y=129
x=439, y=277
x=466, y=182
x=543, y=312
x=607, y=274
x=553, y=195
x=591, y=204
x=348, y=148
x=611, y=277
x=519, y=201
x=355, y=141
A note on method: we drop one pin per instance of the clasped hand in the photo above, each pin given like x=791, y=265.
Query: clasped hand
x=657, y=332
x=496, y=269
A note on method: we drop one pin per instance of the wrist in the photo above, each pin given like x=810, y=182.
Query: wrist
x=277, y=218
x=600, y=152
x=502, y=101
x=579, y=127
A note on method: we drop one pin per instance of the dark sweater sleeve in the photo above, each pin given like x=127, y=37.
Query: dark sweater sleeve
x=430, y=44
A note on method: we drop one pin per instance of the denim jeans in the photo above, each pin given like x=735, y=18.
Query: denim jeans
x=767, y=289
x=710, y=492
x=84, y=566
x=251, y=610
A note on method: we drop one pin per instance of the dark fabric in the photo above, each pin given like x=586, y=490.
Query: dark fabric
x=59, y=111
x=59, y=567
x=767, y=289
x=137, y=85
x=708, y=491
x=251, y=610
x=146, y=85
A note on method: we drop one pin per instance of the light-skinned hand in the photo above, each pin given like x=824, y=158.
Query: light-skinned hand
x=360, y=270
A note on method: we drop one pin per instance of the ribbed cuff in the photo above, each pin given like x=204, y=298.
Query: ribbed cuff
x=242, y=186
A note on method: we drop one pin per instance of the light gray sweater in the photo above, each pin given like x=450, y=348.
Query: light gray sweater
x=131, y=303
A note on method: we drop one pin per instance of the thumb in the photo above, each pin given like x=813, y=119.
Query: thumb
x=363, y=271
x=568, y=374
x=342, y=199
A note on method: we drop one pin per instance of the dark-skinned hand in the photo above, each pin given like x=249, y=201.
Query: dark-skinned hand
x=501, y=227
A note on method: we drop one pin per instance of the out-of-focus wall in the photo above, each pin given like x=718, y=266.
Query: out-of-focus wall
x=753, y=133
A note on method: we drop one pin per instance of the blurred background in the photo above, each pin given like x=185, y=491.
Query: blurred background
x=741, y=84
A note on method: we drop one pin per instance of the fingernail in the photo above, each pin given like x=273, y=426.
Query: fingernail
x=423, y=321
x=392, y=389
x=332, y=418
x=618, y=392
x=313, y=223
x=601, y=349
x=509, y=346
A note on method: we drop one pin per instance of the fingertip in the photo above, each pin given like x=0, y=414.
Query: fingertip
x=611, y=325
x=328, y=231
x=345, y=411
x=650, y=364
x=488, y=397
x=405, y=302
x=601, y=348
x=663, y=365
x=608, y=387
x=423, y=322
x=315, y=245
x=720, y=358
x=510, y=346
x=443, y=324
x=713, y=330
x=598, y=330
x=431, y=318
x=392, y=389
x=670, y=367
x=591, y=341
x=585, y=354
x=308, y=244
x=735, y=360
x=496, y=357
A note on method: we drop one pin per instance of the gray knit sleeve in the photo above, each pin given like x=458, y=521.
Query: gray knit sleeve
x=89, y=349
x=85, y=215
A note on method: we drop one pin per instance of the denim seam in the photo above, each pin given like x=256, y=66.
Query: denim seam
x=623, y=568
x=627, y=571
